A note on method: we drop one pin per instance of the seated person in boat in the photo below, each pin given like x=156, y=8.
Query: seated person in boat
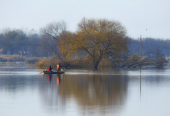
x=49, y=68
x=59, y=67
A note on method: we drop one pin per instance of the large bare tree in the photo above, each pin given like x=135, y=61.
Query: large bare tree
x=50, y=35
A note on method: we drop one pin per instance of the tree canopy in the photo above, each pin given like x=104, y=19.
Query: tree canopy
x=99, y=39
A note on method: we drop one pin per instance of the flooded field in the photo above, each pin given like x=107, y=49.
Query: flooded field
x=25, y=92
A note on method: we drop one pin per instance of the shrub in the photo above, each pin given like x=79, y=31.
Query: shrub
x=32, y=60
x=46, y=62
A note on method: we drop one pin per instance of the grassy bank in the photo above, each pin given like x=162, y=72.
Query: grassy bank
x=78, y=63
x=131, y=62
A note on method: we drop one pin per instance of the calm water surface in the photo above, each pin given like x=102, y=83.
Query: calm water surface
x=25, y=92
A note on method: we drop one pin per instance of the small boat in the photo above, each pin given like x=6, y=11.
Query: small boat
x=53, y=72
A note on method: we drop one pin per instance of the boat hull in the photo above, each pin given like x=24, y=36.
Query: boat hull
x=53, y=72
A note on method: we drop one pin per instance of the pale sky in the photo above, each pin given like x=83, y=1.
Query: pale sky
x=135, y=15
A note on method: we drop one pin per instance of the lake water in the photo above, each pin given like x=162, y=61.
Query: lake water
x=25, y=92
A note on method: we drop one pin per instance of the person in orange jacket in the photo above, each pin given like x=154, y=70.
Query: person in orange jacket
x=59, y=67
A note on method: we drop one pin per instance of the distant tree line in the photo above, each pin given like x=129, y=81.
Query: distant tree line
x=149, y=45
x=96, y=43
x=17, y=42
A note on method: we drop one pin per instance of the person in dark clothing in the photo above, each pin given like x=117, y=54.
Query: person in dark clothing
x=49, y=68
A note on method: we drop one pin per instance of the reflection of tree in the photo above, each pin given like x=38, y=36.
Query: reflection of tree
x=94, y=91
x=48, y=90
x=86, y=91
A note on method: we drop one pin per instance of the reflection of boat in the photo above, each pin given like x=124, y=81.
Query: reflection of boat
x=53, y=72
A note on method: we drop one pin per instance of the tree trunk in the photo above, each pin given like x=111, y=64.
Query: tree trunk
x=95, y=65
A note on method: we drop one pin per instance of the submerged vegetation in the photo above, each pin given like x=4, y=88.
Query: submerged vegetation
x=98, y=43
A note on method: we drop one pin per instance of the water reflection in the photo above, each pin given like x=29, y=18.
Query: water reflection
x=17, y=82
x=49, y=77
x=85, y=94
x=58, y=79
x=92, y=92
